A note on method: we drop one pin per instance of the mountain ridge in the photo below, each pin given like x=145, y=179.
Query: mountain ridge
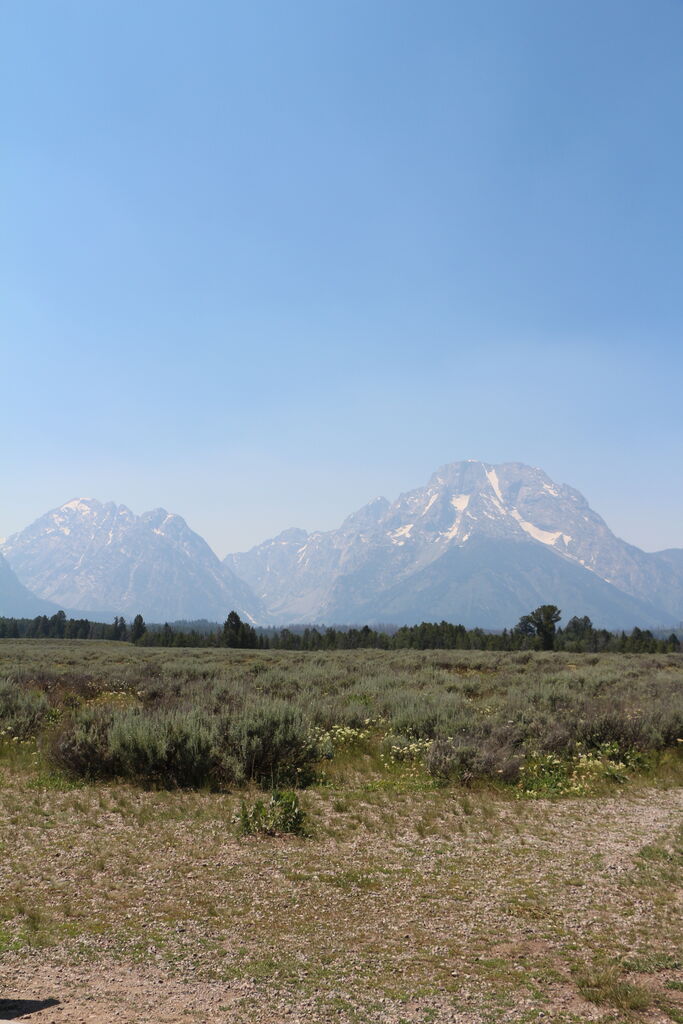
x=299, y=575
x=478, y=543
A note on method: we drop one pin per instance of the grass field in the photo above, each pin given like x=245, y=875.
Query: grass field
x=428, y=888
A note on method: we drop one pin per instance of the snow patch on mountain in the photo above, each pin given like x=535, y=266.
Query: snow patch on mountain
x=460, y=501
x=492, y=478
x=429, y=504
x=543, y=536
x=453, y=532
x=83, y=505
x=399, y=536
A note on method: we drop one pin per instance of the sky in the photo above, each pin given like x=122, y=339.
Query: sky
x=263, y=262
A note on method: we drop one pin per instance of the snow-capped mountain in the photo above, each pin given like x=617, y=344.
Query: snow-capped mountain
x=103, y=558
x=479, y=544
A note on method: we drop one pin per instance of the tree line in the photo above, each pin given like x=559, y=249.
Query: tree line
x=538, y=630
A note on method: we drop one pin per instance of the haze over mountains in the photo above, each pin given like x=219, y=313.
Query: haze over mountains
x=479, y=544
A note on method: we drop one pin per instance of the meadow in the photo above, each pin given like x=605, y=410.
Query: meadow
x=365, y=836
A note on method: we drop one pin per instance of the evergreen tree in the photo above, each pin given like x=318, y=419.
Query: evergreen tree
x=541, y=623
x=231, y=630
x=138, y=628
x=237, y=633
x=58, y=625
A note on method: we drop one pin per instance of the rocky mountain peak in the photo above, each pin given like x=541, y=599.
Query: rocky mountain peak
x=343, y=573
x=293, y=535
x=368, y=516
x=94, y=556
x=83, y=505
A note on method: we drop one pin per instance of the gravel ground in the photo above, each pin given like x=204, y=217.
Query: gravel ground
x=428, y=907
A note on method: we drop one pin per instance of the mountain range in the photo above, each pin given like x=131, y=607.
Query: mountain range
x=479, y=544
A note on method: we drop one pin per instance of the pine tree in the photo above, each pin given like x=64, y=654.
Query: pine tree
x=138, y=629
x=231, y=630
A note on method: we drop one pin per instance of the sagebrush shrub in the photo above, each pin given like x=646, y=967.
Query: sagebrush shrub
x=271, y=741
x=22, y=711
x=463, y=760
x=168, y=748
x=199, y=719
x=81, y=746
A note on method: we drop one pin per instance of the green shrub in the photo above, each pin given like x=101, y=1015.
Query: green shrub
x=169, y=748
x=269, y=743
x=466, y=759
x=197, y=718
x=549, y=775
x=282, y=814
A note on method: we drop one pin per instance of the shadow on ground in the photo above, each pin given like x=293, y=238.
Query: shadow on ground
x=10, y=1009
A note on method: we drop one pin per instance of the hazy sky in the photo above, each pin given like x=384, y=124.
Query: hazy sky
x=263, y=261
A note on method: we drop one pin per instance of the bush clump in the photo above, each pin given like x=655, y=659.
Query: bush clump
x=22, y=711
x=268, y=743
x=172, y=748
x=177, y=718
x=282, y=814
x=463, y=760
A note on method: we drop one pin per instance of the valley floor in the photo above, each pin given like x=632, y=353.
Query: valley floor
x=407, y=906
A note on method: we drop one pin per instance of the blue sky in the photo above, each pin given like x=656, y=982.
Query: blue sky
x=261, y=262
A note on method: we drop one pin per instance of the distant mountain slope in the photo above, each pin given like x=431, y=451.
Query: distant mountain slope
x=673, y=556
x=16, y=601
x=439, y=541
x=96, y=556
x=490, y=583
